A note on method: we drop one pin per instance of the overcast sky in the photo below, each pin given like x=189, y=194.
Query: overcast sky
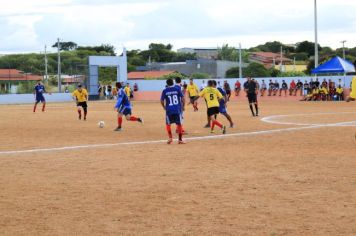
x=27, y=25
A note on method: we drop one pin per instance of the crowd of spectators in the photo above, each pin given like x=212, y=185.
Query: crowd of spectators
x=110, y=92
x=312, y=90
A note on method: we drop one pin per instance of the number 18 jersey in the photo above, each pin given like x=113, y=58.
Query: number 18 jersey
x=173, y=100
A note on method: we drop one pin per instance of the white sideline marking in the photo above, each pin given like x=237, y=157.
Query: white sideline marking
x=272, y=119
x=268, y=119
x=161, y=141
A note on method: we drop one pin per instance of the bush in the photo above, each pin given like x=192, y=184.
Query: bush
x=25, y=87
x=200, y=76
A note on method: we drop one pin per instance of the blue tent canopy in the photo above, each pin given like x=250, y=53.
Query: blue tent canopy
x=335, y=65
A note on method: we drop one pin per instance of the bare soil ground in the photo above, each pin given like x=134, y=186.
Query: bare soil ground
x=298, y=181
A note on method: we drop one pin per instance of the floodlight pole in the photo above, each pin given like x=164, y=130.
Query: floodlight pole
x=281, y=60
x=316, y=56
x=240, y=62
x=344, y=56
x=46, y=64
x=343, y=48
x=59, y=66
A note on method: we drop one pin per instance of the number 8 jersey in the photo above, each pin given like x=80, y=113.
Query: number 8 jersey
x=173, y=99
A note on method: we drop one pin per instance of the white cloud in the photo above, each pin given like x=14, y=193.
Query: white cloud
x=28, y=25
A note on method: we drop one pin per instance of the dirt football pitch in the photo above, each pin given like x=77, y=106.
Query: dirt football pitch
x=290, y=171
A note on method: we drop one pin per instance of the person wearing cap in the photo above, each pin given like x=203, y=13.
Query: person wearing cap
x=80, y=95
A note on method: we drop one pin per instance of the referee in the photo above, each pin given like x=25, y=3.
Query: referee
x=251, y=90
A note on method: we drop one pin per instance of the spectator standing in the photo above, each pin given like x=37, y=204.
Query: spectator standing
x=109, y=88
x=135, y=87
x=270, y=87
x=339, y=93
x=306, y=88
x=237, y=88
x=332, y=91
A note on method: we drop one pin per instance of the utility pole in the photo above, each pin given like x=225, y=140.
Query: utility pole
x=240, y=62
x=316, y=55
x=344, y=56
x=343, y=48
x=46, y=64
x=59, y=67
x=281, y=65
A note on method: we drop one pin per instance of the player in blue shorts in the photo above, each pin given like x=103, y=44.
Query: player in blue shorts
x=39, y=90
x=222, y=106
x=123, y=107
x=172, y=101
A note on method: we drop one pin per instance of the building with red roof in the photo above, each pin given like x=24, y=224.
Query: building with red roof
x=11, y=77
x=269, y=59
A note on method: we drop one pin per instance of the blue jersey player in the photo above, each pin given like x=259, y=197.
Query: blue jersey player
x=123, y=107
x=172, y=101
x=39, y=90
x=222, y=106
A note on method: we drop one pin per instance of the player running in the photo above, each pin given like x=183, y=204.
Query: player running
x=172, y=101
x=193, y=92
x=222, y=106
x=123, y=107
x=80, y=95
x=38, y=92
x=212, y=97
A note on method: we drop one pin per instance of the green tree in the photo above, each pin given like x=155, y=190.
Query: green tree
x=66, y=46
x=307, y=47
x=232, y=72
x=200, y=76
x=109, y=49
x=301, y=56
x=227, y=53
x=255, y=70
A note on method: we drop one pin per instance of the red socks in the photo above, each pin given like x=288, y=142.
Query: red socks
x=215, y=122
x=43, y=106
x=169, y=131
x=119, y=121
x=34, y=108
x=132, y=118
x=180, y=132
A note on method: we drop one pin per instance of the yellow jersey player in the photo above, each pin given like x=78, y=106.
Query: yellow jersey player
x=128, y=90
x=193, y=92
x=81, y=97
x=212, y=97
x=352, y=96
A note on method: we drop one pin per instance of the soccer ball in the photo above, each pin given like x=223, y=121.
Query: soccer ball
x=101, y=124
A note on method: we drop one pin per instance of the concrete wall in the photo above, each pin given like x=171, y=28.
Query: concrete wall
x=29, y=98
x=153, y=86
x=158, y=85
x=216, y=69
